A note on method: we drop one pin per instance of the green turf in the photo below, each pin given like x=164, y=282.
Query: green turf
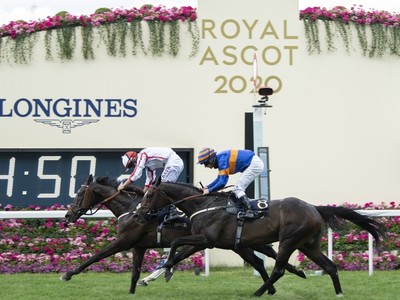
x=223, y=283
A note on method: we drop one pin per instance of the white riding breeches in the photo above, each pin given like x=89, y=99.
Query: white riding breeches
x=253, y=170
x=172, y=170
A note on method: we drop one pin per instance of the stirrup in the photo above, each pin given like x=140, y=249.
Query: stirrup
x=168, y=218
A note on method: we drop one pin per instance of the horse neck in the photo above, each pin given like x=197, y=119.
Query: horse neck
x=190, y=204
x=119, y=203
x=122, y=204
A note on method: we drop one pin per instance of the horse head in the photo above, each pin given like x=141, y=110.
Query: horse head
x=100, y=192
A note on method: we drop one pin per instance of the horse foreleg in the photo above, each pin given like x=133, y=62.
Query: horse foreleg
x=183, y=253
x=115, y=247
x=137, y=261
x=197, y=240
x=257, y=263
x=270, y=252
x=278, y=271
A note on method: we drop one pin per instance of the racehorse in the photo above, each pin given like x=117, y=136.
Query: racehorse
x=291, y=221
x=103, y=191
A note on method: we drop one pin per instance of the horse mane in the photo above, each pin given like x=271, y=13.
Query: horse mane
x=104, y=180
x=189, y=185
x=113, y=182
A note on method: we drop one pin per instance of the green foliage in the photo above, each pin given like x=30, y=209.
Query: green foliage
x=87, y=42
x=136, y=34
x=374, y=40
x=66, y=41
x=112, y=28
x=102, y=10
x=62, y=13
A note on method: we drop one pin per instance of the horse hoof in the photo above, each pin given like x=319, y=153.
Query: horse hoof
x=168, y=277
x=65, y=277
x=271, y=291
x=302, y=274
x=142, y=283
x=339, y=295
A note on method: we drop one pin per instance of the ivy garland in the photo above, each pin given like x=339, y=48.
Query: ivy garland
x=113, y=31
x=174, y=38
x=87, y=42
x=136, y=34
x=66, y=42
x=377, y=32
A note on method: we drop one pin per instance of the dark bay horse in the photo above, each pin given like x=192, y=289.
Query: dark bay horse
x=291, y=221
x=103, y=191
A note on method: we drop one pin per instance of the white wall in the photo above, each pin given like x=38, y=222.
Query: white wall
x=333, y=131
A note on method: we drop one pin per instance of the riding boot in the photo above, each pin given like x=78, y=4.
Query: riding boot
x=173, y=214
x=249, y=213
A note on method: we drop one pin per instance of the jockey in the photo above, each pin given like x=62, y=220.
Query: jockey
x=150, y=159
x=231, y=162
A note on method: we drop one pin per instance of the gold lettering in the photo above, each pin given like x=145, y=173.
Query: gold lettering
x=269, y=30
x=250, y=28
x=228, y=54
x=243, y=56
x=291, y=48
x=205, y=29
x=271, y=62
x=209, y=56
x=285, y=32
x=236, y=29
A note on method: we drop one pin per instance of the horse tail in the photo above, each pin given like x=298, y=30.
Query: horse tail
x=333, y=215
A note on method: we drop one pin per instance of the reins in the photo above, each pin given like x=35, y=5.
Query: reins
x=87, y=196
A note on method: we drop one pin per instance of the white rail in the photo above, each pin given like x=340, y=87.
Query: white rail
x=373, y=214
x=107, y=214
x=55, y=214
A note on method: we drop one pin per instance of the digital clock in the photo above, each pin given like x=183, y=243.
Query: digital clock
x=53, y=176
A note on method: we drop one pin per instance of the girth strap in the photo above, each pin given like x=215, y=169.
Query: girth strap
x=159, y=232
x=239, y=229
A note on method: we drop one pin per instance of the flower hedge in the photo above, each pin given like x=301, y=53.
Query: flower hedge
x=115, y=27
x=377, y=31
x=48, y=245
x=350, y=244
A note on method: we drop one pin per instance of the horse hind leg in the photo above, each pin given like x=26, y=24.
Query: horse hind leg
x=257, y=263
x=315, y=254
x=270, y=252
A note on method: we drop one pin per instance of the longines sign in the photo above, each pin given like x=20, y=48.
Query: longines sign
x=68, y=113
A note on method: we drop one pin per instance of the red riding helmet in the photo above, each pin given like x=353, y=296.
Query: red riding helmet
x=129, y=159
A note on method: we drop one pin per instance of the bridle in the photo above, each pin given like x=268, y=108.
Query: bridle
x=88, y=194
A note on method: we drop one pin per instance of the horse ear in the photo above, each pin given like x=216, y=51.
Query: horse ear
x=89, y=180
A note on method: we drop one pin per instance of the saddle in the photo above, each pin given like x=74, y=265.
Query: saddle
x=259, y=206
x=164, y=222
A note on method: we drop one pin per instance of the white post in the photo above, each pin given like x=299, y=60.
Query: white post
x=370, y=254
x=207, y=262
x=258, y=142
x=330, y=243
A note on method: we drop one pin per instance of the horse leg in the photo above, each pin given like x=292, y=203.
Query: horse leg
x=282, y=258
x=115, y=247
x=197, y=240
x=137, y=261
x=257, y=263
x=314, y=253
x=270, y=252
x=183, y=253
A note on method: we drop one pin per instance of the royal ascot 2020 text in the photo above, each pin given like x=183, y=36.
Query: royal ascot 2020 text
x=63, y=108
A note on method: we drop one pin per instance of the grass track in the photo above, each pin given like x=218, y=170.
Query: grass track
x=223, y=283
